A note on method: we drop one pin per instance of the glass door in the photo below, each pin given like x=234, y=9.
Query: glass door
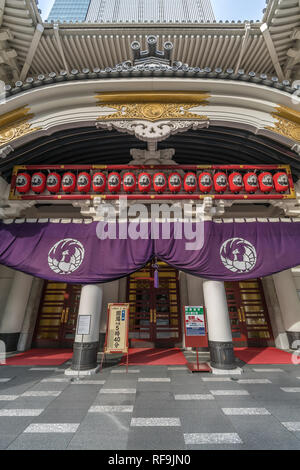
x=239, y=332
x=70, y=314
x=154, y=312
x=56, y=323
x=248, y=314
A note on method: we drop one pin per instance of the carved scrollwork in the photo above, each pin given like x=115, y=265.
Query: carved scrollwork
x=152, y=131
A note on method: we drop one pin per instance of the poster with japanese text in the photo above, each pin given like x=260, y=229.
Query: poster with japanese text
x=195, y=327
x=117, y=329
x=195, y=322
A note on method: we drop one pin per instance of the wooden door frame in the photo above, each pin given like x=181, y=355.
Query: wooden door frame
x=168, y=341
x=271, y=341
x=60, y=343
x=242, y=328
x=253, y=342
x=64, y=342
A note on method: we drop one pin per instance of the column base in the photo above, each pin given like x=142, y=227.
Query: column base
x=81, y=373
x=84, y=356
x=236, y=371
x=10, y=340
x=293, y=336
x=222, y=355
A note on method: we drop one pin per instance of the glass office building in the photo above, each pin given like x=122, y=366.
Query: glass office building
x=119, y=11
x=69, y=10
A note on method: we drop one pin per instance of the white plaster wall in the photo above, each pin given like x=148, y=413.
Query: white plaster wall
x=110, y=295
x=123, y=289
x=194, y=290
x=6, y=278
x=183, y=290
x=275, y=314
x=296, y=275
x=31, y=315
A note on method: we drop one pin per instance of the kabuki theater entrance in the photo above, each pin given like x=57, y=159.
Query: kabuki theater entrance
x=155, y=313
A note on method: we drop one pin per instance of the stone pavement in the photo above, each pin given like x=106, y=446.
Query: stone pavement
x=150, y=408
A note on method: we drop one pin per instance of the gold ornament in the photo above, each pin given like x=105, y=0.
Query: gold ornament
x=15, y=124
x=152, y=106
x=287, y=123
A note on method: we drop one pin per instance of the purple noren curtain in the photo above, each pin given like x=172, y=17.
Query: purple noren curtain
x=74, y=253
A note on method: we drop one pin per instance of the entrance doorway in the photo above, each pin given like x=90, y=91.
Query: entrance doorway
x=56, y=324
x=248, y=313
x=155, y=319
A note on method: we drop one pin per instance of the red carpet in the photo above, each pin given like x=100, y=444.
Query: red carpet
x=40, y=357
x=263, y=355
x=155, y=357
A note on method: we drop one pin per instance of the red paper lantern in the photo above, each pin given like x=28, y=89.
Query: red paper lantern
x=99, y=182
x=235, y=181
x=129, y=182
x=251, y=182
x=220, y=182
x=114, y=182
x=175, y=182
x=265, y=180
x=281, y=182
x=205, y=182
x=38, y=182
x=53, y=183
x=68, y=183
x=159, y=182
x=144, y=182
x=84, y=182
x=190, y=182
x=23, y=183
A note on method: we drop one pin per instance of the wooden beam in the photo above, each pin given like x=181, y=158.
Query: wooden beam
x=243, y=47
x=272, y=51
x=59, y=45
x=33, y=47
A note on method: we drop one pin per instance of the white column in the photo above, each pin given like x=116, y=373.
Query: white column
x=219, y=327
x=85, y=356
x=289, y=304
x=13, y=316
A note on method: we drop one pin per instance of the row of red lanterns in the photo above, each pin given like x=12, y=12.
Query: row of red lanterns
x=251, y=182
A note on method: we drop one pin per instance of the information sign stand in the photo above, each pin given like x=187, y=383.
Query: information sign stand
x=116, y=339
x=196, y=335
x=83, y=328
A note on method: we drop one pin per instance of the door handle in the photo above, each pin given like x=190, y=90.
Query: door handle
x=244, y=316
x=62, y=315
x=240, y=315
x=155, y=316
x=66, y=315
x=151, y=315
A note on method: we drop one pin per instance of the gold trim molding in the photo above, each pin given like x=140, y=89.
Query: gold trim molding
x=287, y=123
x=152, y=106
x=15, y=124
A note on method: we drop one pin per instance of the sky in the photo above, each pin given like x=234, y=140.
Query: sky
x=224, y=9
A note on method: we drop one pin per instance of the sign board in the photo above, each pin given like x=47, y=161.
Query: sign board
x=117, y=329
x=195, y=327
x=84, y=324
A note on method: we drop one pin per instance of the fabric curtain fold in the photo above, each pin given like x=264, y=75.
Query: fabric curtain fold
x=88, y=253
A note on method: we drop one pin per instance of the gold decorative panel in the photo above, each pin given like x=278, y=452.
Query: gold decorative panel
x=287, y=123
x=152, y=106
x=15, y=124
